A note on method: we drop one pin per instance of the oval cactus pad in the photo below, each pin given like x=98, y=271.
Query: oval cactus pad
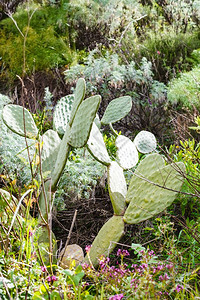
x=83, y=121
x=146, y=167
x=79, y=95
x=106, y=240
x=153, y=196
x=50, y=146
x=20, y=121
x=97, y=147
x=62, y=113
x=117, y=109
x=117, y=188
x=145, y=142
x=127, y=153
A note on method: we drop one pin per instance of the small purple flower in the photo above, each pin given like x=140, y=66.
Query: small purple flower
x=179, y=288
x=43, y=268
x=169, y=266
x=87, y=248
x=151, y=253
x=54, y=278
x=166, y=277
x=125, y=253
x=154, y=270
x=117, y=297
x=30, y=233
x=119, y=252
x=161, y=278
x=160, y=267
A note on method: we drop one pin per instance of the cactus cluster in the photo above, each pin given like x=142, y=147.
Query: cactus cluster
x=153, y=185
x=152, y=188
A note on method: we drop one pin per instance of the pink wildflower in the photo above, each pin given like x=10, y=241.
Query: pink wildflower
x=54, y=278
x=179, y=288
x=43, y=268
x=87, y=248
x=158, y=52
x=117, y=297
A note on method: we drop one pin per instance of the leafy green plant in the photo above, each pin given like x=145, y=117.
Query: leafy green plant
x=147, y=276
x=184, y=90
x=36, y=37
x=169, y=52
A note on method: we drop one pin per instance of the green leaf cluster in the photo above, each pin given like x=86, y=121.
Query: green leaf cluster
x=45, y=43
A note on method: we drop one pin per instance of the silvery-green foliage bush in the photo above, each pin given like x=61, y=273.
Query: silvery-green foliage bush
x=103, y=73
x=81, y=174
x=184, y=91
x=116, y=15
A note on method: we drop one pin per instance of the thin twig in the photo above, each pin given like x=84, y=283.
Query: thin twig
x=69, y=236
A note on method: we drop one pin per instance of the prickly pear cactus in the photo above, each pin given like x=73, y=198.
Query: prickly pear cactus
x=152, y=188
x=62, y=112
x=83, y=121
x=117, y=188
x=117, y=109
x=78, y=98
x=106, y=240
x=20, y=121
x=97, y=147
x=145, y=142
x=154, y=194
x=150, y=164
x=49, y=143
x=127, y=153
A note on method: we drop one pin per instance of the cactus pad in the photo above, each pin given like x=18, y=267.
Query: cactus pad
x=97, y=147
x=79, y=95
x=146, y=167
x=117, y=188
x=83, y=121
x=127, y=153
x=145, y=141
x=117, y=109
x=62, y=114
x=106, y=240
x=50, y=147
x=13, y=117
x=149, y=199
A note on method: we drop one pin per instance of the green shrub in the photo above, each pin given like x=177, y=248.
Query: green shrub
x=46, y=45
x=168, y=51
x=185, y=91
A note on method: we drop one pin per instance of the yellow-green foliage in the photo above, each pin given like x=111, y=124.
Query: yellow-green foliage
x=45, y=47
x=185, y=89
